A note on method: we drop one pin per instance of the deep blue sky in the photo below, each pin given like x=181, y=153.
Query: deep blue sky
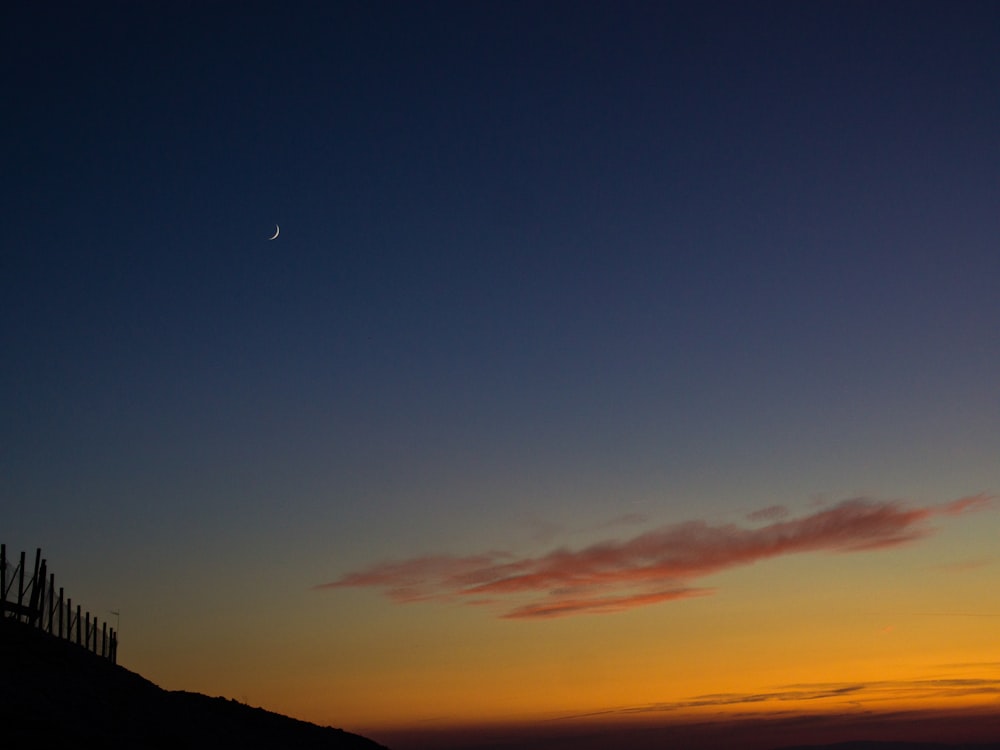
x=503, y=218
x=540, y=263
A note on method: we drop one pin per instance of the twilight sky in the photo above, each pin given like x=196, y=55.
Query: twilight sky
x=612, y=357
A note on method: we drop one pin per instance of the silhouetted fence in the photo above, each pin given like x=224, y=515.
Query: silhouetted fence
x=35, y=602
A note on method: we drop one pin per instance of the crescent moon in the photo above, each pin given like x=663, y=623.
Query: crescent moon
x=277, y=231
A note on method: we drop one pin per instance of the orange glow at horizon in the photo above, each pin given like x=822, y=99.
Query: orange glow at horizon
x=904, y=628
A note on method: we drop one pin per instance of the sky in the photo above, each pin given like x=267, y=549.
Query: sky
x=617, y=366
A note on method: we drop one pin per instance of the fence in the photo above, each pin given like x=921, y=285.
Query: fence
x=37, y=604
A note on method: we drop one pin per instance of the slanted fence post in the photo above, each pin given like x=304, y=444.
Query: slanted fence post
x=20, y=586
x=33, y=585
x=38, y=593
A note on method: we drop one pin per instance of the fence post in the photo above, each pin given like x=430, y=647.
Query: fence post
x=38, y=593
x=62, y=607
x=3, y=578
x=33, y=584
x=20, y=586
x=79, y=639
x=52, y=602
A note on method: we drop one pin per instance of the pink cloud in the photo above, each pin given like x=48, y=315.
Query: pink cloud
x=657, y=566
x=965, y=504
x=569, y=606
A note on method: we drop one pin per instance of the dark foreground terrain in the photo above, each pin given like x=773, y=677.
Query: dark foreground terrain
x=54, y=693
x=896, y=746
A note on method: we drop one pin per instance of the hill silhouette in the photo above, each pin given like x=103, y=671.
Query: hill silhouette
x=54, y=692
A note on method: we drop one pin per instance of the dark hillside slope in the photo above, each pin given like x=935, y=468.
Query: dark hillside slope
x=54, y=692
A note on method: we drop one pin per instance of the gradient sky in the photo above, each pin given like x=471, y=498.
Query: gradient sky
x=629, y=360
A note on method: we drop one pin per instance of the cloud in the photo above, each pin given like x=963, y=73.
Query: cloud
x=858, y=693
x=570, y=606
x=770, y=513
x=965, y=565
x=626, y=519
x=657, y=566
x=789, y=693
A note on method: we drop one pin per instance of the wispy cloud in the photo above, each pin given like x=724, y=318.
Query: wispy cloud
x=657, y=566
x=966, y=565
x=770, y=513
x=626, y=519
x=856, y=693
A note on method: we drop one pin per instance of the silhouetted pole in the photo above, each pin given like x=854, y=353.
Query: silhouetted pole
x=37, y=591
x=52, y=602
x=3, y=578
x=20, y=585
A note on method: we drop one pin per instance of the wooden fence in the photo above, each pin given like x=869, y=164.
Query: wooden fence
x=35, y=602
